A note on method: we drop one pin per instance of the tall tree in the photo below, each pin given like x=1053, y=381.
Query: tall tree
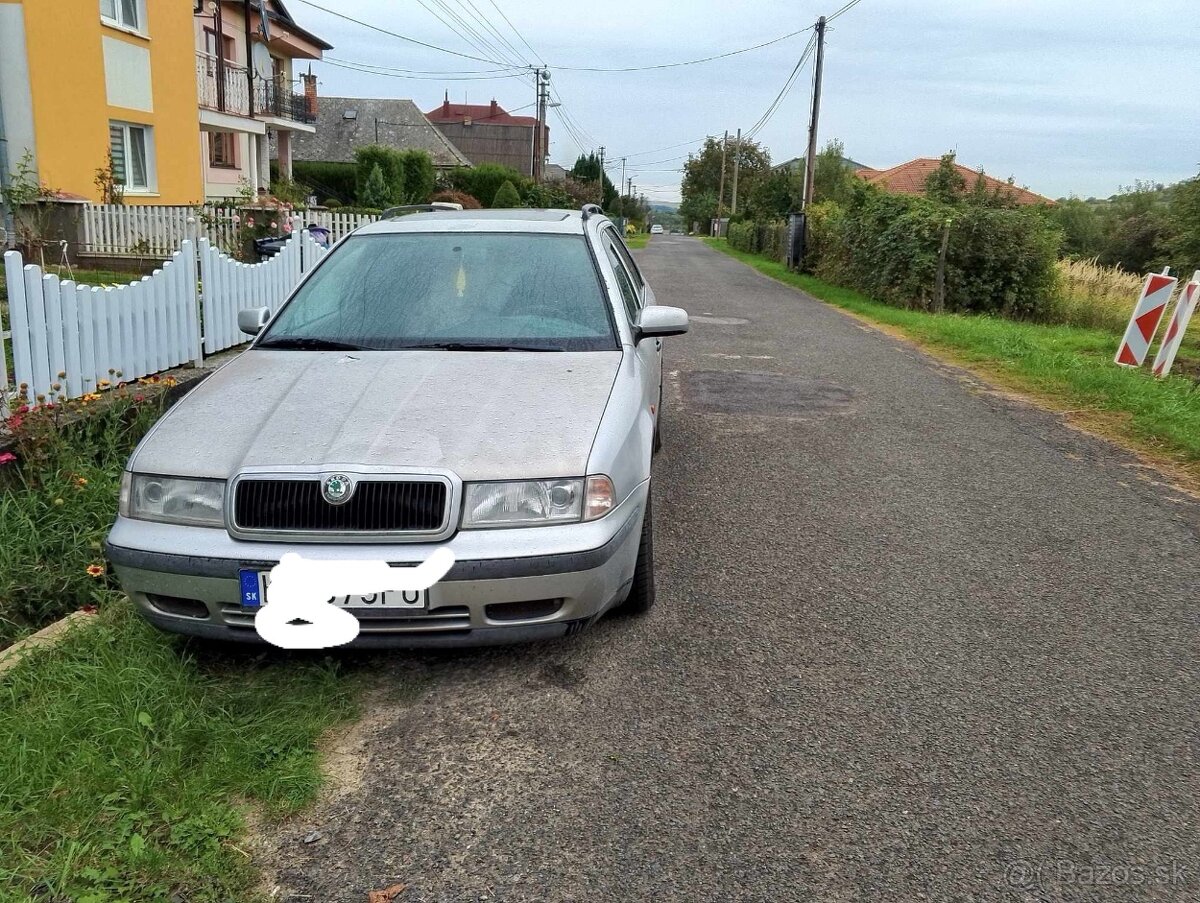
x=702, y=174
x=946, y=183
x=832, y=175
x=587, y=169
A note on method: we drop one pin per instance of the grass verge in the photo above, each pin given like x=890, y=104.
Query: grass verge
x=638, y=240
x=127, y=761
x=1068, y=368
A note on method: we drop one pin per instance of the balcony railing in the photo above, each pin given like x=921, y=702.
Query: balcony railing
x=222, y=86
x=276, y=98
x=225, y=87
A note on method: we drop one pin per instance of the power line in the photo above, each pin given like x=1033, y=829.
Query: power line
x=450, y=78
x=465, y=56
x=481, y=18
x=495, y=62
x=462, y=29
x=445, y=72
x=696, y=62
x=783, y=92
x=668, y=147
x=845, y=9
x=520, y=37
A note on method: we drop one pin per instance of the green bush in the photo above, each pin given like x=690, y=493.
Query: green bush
x=375, y=193
x=485, y=180
x=507, y=196
x=998, y=261
x=766, y=238
x=419, y=176
x=335, y=181
x=391, y=169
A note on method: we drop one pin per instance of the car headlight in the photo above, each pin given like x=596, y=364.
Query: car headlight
x=535, y=503
x=172, y=500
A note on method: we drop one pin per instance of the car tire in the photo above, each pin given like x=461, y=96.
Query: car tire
x=641, y=596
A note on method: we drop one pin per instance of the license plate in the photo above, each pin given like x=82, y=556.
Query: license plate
x=255, y=583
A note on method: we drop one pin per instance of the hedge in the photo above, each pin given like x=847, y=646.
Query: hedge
x=327, y=180
x=998, y=261
x=768, y=239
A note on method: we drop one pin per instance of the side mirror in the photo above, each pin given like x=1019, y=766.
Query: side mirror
x=660, y=321
x=253, y=320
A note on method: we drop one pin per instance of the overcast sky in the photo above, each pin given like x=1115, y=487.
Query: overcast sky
x=1068, y=96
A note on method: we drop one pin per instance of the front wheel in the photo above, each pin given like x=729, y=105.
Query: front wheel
x=641, y=597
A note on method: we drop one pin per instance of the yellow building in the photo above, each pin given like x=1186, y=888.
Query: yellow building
x=81, y=77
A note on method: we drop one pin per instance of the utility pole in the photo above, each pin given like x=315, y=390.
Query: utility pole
x=721, y=192
x=811, y=160
x=539, y=138
x=622, y=185
x=737, y=153
x=601, y=175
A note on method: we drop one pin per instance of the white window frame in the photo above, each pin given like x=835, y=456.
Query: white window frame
x=151, y=186
x=119, y=18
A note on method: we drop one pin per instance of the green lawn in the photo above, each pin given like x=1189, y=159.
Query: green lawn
x=638, y=239
x=1068, y=367
x=128, y=761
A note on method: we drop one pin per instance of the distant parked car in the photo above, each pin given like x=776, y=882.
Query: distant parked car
x=272, y=245
x=489, y=381
x=656, y=229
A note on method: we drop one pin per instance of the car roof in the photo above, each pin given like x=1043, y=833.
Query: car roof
x=519, y=219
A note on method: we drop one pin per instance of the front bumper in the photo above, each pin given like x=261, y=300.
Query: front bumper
x=185, y=580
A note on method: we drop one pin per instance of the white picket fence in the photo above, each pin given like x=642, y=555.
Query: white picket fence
x=228, y=286
x=71, y=340
x=150, y=231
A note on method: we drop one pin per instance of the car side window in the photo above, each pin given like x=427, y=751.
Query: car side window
x=628, y=293
x=635, y=274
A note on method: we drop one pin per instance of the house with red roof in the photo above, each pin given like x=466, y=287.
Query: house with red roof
x=909, y=178
x=487, y=133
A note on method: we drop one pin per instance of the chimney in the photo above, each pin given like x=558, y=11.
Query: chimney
x=446, y=106
x=495, y=108
x=310, y=93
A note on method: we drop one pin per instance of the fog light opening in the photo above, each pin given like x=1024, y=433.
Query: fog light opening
x=523, y=611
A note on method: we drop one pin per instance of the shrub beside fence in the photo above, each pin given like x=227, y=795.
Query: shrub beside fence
x=768, y=239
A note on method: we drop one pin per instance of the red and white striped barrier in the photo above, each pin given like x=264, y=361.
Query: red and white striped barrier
x=1156, y=295
x=1184, y=308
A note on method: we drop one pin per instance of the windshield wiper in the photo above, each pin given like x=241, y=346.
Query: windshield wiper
x=471, y=346
x=297, y=343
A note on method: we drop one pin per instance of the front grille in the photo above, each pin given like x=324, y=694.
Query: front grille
x=382, y=506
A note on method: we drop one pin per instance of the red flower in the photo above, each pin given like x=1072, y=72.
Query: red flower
x=14, y=422
x=7, y=458
x=139, y=398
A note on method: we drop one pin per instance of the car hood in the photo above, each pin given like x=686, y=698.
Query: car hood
x=482, y=415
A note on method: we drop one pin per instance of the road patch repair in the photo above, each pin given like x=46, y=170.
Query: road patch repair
x=763, y=394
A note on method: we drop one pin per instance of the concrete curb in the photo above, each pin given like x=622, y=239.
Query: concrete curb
x=46, y=638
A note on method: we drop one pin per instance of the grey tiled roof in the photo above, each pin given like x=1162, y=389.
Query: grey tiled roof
x=401, y=125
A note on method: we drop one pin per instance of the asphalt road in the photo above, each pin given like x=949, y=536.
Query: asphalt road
x=915, y=640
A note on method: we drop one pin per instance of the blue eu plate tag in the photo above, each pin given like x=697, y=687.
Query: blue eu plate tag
x=250, y=589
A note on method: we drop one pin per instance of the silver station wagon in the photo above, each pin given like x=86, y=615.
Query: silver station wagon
x=490, y=381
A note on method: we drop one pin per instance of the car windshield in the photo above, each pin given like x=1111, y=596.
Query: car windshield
x=451, y=291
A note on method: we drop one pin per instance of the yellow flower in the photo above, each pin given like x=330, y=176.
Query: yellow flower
x=58, y=503
x=103, y=383
x=95, y=570
x=80, y=481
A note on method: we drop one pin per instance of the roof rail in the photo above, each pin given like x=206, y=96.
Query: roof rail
x=592, y=210
x=435, y=207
